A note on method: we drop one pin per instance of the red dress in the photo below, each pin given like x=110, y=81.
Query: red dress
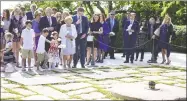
x=54, y=53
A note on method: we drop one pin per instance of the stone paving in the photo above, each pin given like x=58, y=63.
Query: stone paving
x=101, y=83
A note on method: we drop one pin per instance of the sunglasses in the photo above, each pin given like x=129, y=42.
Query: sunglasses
x=112, y=14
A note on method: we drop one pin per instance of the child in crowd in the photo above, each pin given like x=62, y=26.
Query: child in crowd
x=42, y=56
x=54, y=51
x=6, y=53
x=27, y=42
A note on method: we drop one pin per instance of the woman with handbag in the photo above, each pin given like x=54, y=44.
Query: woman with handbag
x=166, y=30
x=94, y=31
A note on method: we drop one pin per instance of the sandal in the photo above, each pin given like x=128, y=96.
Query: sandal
x=163, y=61
x=168, y=62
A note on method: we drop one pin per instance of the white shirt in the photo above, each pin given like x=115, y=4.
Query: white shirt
x=28, y=38
x=41, y=45
x=8, y=45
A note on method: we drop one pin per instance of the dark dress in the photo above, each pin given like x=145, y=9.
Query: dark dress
x=94, y=26
x=165, y=33
x=104, y=38
x=16, y=24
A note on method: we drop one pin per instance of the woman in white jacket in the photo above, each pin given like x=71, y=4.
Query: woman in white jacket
x=68, y=34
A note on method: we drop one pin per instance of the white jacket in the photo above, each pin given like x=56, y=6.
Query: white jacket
x=63, y=33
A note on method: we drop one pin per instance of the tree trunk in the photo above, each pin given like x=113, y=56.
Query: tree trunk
x=109, y=6
x=100, y=8
x=90, y=7
x=85, y=6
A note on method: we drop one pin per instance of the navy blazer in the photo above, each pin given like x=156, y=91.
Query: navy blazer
x=29, y=15
x=130, y=40
x=44, y=23
x=116, y=25
x=85, y=24
x=123, y=21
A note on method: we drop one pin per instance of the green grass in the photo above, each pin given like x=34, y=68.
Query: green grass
x=75, y=97
x=62, y=91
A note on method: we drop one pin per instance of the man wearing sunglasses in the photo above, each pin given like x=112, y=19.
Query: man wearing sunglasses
x=114, y=28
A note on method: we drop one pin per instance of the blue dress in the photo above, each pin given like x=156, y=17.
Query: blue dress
x=104, y=38
x=165, y=32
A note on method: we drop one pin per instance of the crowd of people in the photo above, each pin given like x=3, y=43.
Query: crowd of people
x=55, y=38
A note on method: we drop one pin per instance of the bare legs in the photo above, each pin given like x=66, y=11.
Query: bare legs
x=164, y=53
x=67, y=59
x=16, y=47
x=88, y=55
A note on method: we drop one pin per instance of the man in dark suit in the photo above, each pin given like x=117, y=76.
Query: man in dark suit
x=131, y=29
x=125, y=18
x=114, y=27
x=82, y=26
x=48, y=22
x=30, y=15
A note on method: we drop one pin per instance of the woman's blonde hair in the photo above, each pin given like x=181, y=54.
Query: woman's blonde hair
x=167, y=17
x=17, y=10
x=68, y=18
x=36, y=13
x=8, y=36
x=65, y=13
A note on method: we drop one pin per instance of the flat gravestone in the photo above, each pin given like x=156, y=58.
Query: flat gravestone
x=92, y=96
x=106, y=82
x=129, y=80
x=37, y=80
x=174, y=74
x=155, y=78
x=106, y=75
x=48, y=91
x=37, y=97
x=72, y=86
x=82, y=91
x=152, y=69
x=139, y=91
x=9, y=95
x=17, y=74
x=23, y=91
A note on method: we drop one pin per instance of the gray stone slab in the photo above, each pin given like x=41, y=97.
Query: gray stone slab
x=60, y=71
x=129, y=80
x=17, y=74
x=37, y=97
x=81, y=91
x=175, y=74
x=152, y=69
x=92, y=96
x=141, y=91
x=106, y=82
x=9, y=95
x=48, y=91
x=130, y=71
x=39, y=80
x=10, y=86
x=23, y=91
x=155, y=78
x=72, y=86
x=181, y=85
x=107, y=75
x=3, y=90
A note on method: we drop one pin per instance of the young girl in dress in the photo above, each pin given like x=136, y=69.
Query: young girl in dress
x=54, y=51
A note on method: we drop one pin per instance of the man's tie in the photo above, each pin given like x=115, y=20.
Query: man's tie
x=80, y=24
x=49, y=19
x=112, y=24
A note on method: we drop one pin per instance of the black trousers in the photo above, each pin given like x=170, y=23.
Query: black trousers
x=80, y=51
x=130, y=54
x=140, y=51
x=155, y=50
x=112, y=43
